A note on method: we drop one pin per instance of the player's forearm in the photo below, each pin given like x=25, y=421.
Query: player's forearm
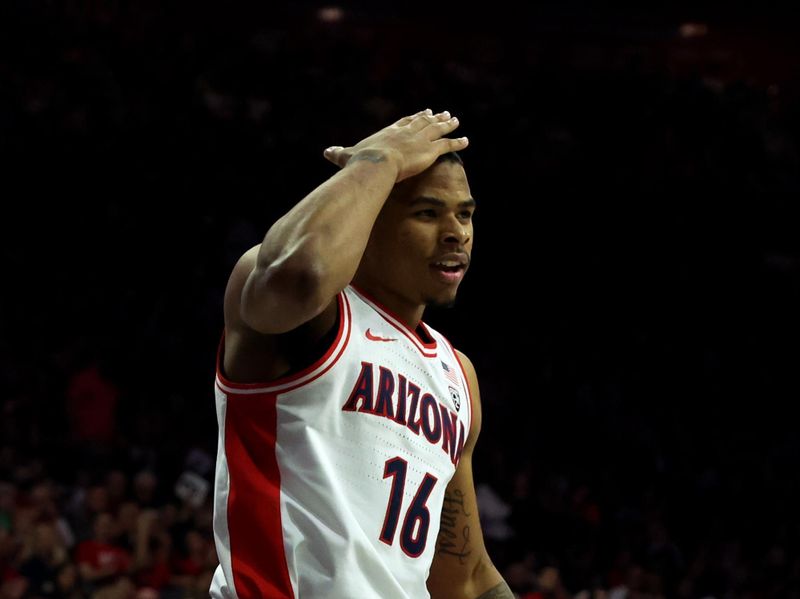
x=469, y=576
x=490, y=583
x=498, y=590
x=501, y=591
x=324, y=236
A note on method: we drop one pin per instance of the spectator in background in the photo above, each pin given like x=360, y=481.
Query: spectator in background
x=91, y=407
x=42, y=557
x=85, y=504
x=145, y=487
x=103, y=566
x=194, y=568
x=68, y=583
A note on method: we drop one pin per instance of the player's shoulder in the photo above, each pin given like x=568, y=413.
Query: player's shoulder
x=463, y=357
x=466, y=363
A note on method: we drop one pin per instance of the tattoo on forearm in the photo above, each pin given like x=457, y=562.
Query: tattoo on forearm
x=453, y=541
x=369, y=155
x=501, y=591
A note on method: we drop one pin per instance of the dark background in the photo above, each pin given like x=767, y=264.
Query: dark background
x=632, y=308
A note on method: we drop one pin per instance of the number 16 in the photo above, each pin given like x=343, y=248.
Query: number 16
x=413, y=545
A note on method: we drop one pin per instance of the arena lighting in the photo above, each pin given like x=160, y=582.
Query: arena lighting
x=690, y=30
x=330, y=14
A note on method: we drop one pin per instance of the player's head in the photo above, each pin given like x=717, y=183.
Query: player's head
x=421, y=243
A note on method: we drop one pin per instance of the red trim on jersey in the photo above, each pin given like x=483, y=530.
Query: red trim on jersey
x=345, y=326
x=466, y=378
x=255, y=531
x=427, y=349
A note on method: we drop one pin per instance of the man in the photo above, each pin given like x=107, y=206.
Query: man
x=346, y=424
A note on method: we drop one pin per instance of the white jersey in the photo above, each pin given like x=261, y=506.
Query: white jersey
x=330, y=482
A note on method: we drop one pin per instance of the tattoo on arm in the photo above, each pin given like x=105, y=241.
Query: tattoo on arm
x=368, y=155
x=501, y=591
x=453, y=541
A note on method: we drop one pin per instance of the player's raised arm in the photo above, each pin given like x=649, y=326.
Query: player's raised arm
x=313, y=251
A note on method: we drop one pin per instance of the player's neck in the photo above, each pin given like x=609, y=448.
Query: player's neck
x=405, y=310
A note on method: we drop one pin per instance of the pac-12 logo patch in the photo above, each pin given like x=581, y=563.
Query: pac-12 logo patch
x=456, y=398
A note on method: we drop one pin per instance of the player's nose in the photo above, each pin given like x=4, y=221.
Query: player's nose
x=455, y=233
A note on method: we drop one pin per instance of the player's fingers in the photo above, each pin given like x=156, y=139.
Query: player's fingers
x=407, y=119
x=335, y=154
x=443, y=127
x=421, y=121
x=443, y=146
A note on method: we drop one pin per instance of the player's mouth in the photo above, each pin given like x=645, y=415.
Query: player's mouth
x=450, y=268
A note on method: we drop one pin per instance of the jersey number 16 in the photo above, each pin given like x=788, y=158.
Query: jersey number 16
x=412, y=544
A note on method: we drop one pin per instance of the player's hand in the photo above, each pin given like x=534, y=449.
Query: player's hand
x=414, y=143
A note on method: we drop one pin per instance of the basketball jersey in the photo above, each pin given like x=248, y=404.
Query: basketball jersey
x=330, y=482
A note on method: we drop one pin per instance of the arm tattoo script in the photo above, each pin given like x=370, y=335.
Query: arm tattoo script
x=369, y=155
x=501, y=591
x=451, y=541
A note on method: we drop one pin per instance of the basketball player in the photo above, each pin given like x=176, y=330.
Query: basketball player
x=346, y=425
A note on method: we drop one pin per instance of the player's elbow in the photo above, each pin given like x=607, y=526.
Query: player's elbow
x=484, y=571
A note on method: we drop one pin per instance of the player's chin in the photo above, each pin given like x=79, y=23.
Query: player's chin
x=442, y=298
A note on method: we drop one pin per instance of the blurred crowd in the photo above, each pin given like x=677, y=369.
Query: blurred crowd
x=111, y=537
x=637, y=448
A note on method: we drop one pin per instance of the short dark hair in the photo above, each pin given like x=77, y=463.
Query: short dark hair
x=450, y=157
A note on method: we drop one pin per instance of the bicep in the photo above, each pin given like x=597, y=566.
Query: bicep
x=274, y=297
x=251, y=354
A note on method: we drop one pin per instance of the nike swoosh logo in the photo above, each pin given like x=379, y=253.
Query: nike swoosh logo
x=372, y=337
